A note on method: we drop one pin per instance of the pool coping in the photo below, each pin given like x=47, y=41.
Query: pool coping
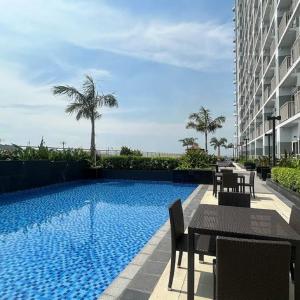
x=139, y=278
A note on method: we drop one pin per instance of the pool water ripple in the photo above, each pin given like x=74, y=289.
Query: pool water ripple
x=70, y=241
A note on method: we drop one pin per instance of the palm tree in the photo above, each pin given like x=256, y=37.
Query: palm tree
x=202, y=121
x=231, y=146
x=217, y=144
x=86, y=104
x=186, y=142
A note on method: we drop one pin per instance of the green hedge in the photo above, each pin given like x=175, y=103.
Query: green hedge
x=287, y=177
x=192, y=160
x=138, y=163
x=43, y=153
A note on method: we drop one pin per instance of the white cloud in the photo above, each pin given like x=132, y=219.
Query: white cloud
x=29, y=111
x=95, y=25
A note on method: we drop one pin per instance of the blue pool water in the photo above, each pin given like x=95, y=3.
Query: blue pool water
x=70, y=241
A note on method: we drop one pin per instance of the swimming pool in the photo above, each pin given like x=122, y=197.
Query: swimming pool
x=70, y=241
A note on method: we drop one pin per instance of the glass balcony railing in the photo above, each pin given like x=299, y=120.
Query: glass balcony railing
x=295, y=52
x=273, y=84
x=284, y=67
x=297, y=102
x=272, y=47
x=287, y=110
x=283, y=23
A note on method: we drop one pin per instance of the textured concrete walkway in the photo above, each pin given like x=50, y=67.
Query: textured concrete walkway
x=266, y=199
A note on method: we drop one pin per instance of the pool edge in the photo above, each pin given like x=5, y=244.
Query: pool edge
x=132, y=282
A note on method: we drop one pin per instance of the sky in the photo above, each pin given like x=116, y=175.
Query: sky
x=162, y=59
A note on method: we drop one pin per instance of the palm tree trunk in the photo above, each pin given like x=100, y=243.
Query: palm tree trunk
x=205, y=141
x=93, y=144
x=219, y=151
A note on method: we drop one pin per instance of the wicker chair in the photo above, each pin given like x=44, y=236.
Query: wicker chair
x=251, y=269
x=234, y=199
x=250, y=184
x=230, y=181
x=295, y=224
x=216, y=182
x=204, y=244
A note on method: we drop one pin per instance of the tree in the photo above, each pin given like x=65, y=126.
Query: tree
x=86, y=104
x=189, y=142
x=202, y=121
x=231, y=146
x=217, y=144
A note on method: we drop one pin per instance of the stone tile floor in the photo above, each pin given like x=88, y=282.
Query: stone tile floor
x=203, y=272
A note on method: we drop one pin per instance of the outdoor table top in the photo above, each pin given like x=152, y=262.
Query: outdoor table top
x=242, y=222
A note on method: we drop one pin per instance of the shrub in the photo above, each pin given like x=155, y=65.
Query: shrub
x=196, y=159
x=29, y=153
x=287, y=177
x=138, y=162
x=127, y=151
x=289, y=162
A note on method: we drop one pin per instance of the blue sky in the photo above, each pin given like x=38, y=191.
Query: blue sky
x=163, y=59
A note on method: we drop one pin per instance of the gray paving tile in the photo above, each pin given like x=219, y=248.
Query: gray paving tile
x=153, y=267
x=164, y=245
x=129, y=294
x=160, y=256
x=144, y=282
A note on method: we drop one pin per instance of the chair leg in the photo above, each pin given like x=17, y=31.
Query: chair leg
x=179, y=259
x=172, y=269
x=292, y=271
x=201, y=258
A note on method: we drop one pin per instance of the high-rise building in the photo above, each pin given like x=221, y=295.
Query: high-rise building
x=267, y=71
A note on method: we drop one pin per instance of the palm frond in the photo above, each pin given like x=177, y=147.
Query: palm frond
x=89, y=88
x=70, y=91
x=110, y=100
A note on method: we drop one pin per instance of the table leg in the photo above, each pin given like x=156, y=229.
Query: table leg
x=191, y=262
x=297, y=273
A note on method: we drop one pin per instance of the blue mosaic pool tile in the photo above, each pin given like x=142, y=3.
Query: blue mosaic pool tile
x=70, y=241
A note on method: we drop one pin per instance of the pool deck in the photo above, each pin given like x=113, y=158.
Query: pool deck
x=146, y=277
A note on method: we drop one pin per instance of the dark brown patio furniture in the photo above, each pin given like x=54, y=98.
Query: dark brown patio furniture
x=234, y=199
x=230, y=181
x=250, y=184
x=295, y=224
x=216, y=182
x=241, y=222
x=204, y=244
x=226, y=171
x=251, y=269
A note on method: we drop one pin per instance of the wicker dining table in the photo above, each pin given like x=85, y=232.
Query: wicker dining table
x=251, y=223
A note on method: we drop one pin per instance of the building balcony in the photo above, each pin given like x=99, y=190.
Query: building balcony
x=284, y=67
x=295, y=52
x=273, y=84
x=259, y=130
x=267, y=93
x=297, y=102
x=283, y=23
x=266, y=63
x=272, y=47
x=268, y=125
x=287, y=110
